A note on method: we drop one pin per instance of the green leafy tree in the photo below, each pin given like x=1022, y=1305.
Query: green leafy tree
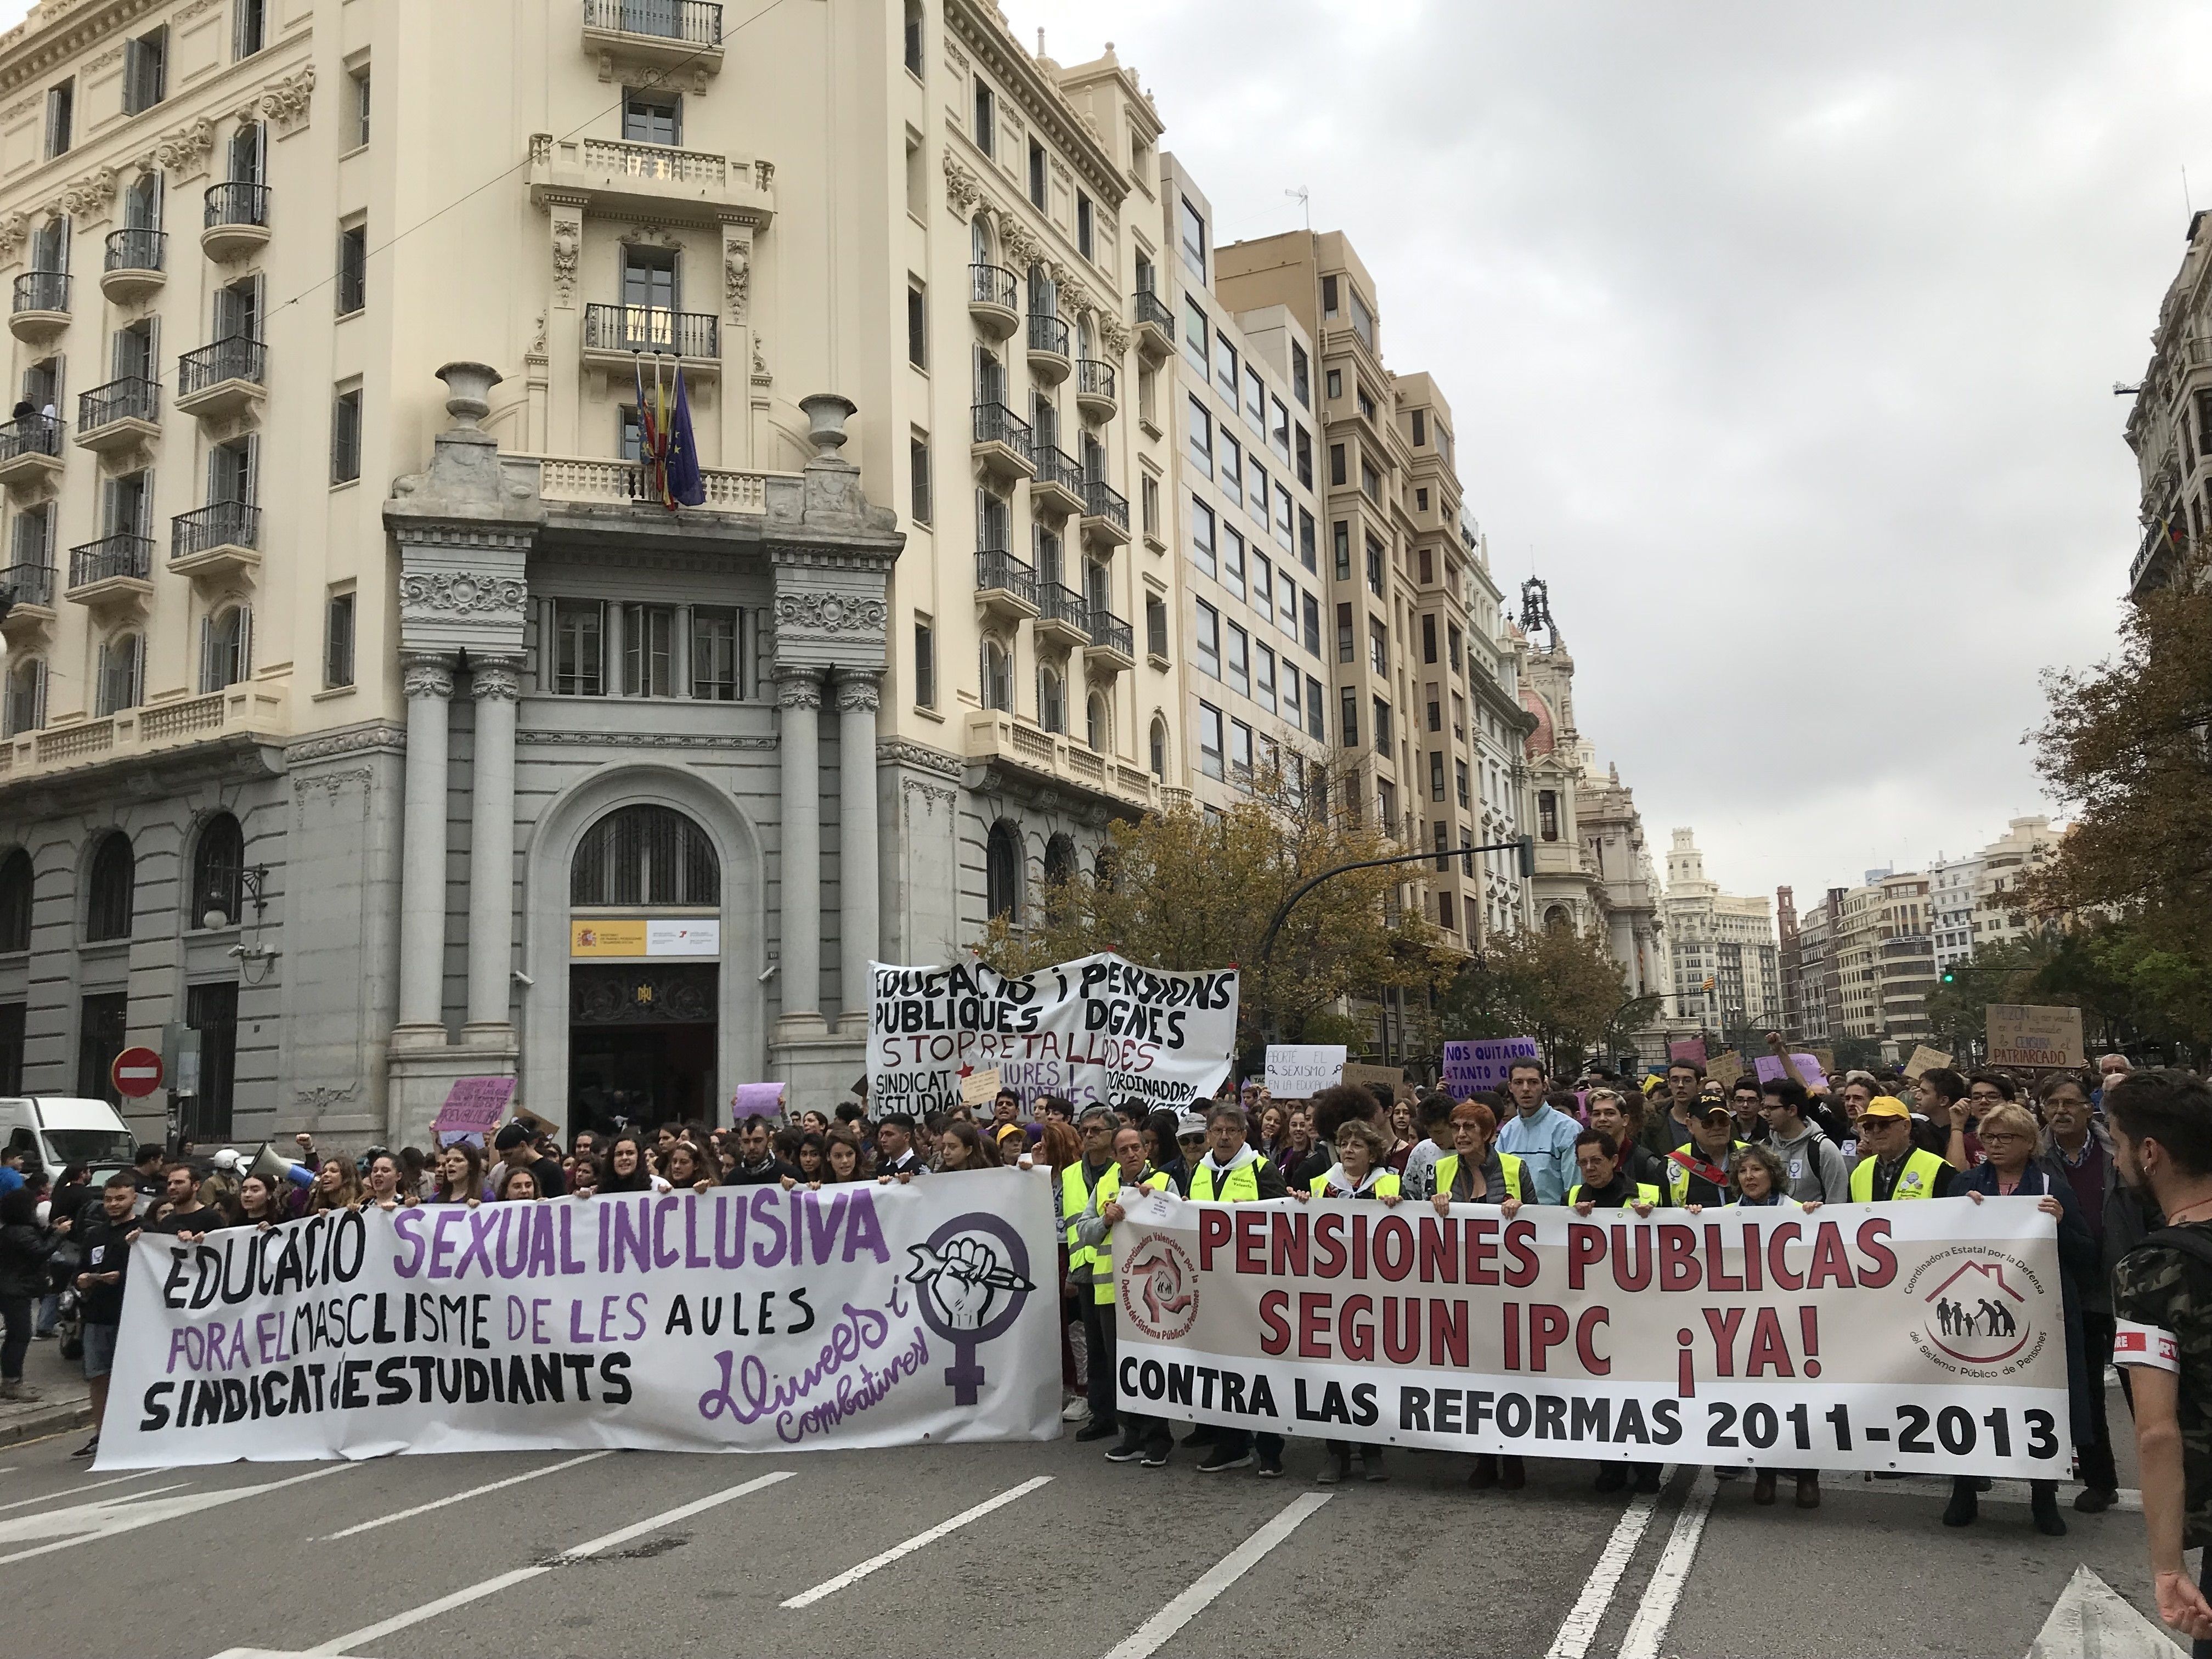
x=1191, y=888
x=1559, y=986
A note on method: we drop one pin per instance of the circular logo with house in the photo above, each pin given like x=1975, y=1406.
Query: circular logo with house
x=1978, y=1312
x=1159, y=1288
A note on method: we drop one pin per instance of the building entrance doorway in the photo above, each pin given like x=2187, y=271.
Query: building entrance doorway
x=641, y=1044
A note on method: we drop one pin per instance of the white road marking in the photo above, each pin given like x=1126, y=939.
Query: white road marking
x=1155, y=1632
x=461, y=1598
x=89, y=1486
x=896, y=1552
x=144, y=1510
x=1580, y=1627
x=460, y=1496
x=1656, y=1610
x=2091, y=1617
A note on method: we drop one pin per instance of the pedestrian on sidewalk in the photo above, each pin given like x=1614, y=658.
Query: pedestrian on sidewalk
x=109, y=1233
x=24, y=1248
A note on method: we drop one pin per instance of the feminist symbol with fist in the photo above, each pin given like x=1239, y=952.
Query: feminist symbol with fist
x=973, y=1275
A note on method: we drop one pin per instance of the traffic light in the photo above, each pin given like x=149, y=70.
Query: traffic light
x=1949, y=976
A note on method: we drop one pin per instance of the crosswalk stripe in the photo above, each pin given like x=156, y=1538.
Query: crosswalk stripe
x=478, y=1592
x=1656, y=1610
x=175, y=1509
x=89, y=1486
x=1156, y=1631
x=461, y=1497
x=853, y=1575
x=1580, y=1626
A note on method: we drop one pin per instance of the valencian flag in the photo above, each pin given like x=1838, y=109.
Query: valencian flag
x=666, y=447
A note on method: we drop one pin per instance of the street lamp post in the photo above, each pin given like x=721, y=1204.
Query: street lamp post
x=1523, y=845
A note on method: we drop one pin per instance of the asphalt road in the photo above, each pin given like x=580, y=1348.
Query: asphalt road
x=1042, y=1550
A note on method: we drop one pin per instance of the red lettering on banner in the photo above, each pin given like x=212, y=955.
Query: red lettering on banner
x=1251, y=1241
x=1213, y=1229
x=1769, y=1352
x=1512, y=1346
x=1329, y=1244
x=1678, y=1258
x=1358, y=1226
x=1439, y=1250
x=1287, y=1242
x=1547, y=1329
x=1355, y=1330
x=1717, y=1277
x=1723, y=1323
x=1632, y=1258
x=1778, y=1264
x=1448, y=1334
x=1313, y=1325
x=1831, y=1265
x=1585, y=1245
x=1482, y=1252
x=1754, y=1264
x=1394, y=1248
x=1521, y=1245
x=1586, y=1330
x=1881, y=1260
x=1277, y=1330
x=1401, y=1329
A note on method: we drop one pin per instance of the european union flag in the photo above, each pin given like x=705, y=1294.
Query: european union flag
x=686, y=487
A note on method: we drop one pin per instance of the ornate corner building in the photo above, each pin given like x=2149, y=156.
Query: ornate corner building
x=383, y=733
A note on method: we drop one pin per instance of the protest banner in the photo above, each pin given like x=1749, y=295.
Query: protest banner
x=741, y=1319
x=1484, y=1064
x=979, y=1087
x=2023, y=1035
x=1690, y=1048
x=1809, y=1070
x=1724, y=1068
x=1925, y=1059
x=473, y=1105
x=1392, y=1077
x=1299, y=1071
x=1922, y=1338
x=1100, y=1028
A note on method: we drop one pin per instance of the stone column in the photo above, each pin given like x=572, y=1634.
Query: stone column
x=859, y=925
x=496, y=683
x=798, y=707
x=429, y=684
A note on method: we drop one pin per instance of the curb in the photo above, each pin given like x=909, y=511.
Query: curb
x=47, y=1420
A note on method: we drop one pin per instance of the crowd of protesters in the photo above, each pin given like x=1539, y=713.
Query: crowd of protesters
x=1678, y=1140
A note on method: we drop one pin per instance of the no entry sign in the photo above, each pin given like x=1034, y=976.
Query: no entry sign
x=135, y=1073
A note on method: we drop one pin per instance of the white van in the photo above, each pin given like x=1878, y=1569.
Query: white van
x=59, y=1130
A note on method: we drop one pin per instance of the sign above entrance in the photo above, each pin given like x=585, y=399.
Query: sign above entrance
x=645, y=935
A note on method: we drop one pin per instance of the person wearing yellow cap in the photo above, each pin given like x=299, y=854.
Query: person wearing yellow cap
x=1890, y=1166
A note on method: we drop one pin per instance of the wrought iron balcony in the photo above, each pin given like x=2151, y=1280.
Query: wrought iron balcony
x=1107, y=507
x=696, y=22
x=1153, y=310
x=43, y=290
x=237, y=219
x=1061, y=609
x=991, y=291
x=1048, y=348
x=30, y=434
x=239, y=357
x=653, y=331
x=219, y=524
x=124, y=554
x=1110, y=633
x=1094, y=388
x=1058, y=484
x=137, y=249
x=1003, y=440
x=118, y=411
x=1003, y=581
x=34, y=583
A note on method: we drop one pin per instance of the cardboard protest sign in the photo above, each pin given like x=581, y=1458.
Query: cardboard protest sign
x=1690, y=1048
x=1392, y=1077
x=1483, y=1063
x=1099, y=1029
x=739, y=1319
x=1925, y=1059
x=1301, y=1070
x=757, y=1100
x=1903, y=1338
x=979, y=1087
x=2024, y=1035
x=473, y=1105
x=1724, y=1068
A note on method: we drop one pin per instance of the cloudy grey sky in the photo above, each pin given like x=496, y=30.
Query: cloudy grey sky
x=1781, y=341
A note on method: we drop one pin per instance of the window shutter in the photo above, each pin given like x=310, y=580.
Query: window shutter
x=102, y=689
x=253, y=468
x=134, y=76
x=245, y=642
x=38, y=697
x=207, y=653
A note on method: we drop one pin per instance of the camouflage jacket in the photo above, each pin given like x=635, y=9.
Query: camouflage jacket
x=2170, y=1291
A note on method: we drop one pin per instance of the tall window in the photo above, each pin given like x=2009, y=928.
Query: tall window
x=1192, y=226
x=925, y=664
x=249, y=27
x=998, y=678
x=1036, y=173
x=212, y=1010
x=1159, y=748
x=146, y=70
x=653, y=115
x=109, y=890
x=1085, y=243
x=26, y=698
x=103, y=1022
x=352, y=270
x=717, y=653
x=1547, y=814
x=913, y=35
x=338, y=640
x=121, y=660
x=1097, y=723
x=1002, y=872
x=918, y=476
x=987, y=118
x=226, y=649
x=61, y=118
x=1211, y=741
x=642, y=855
x=15, y=901
x=361, y=106
x=218, y=872
x=1052, y=700
x=579, y=648
x=12, y=1016
x=917, y=323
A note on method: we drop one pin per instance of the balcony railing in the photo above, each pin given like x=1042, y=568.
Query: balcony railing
x=652, y=331
x=997, y=424
x=1055, y=465
x=697, y=22
x=998, y=570
x=34, y=583
x=32, y=434
x=991, y=285
x=1057, y=602
x=238, y=358
x=1102, y=500
x=1094, y=379
x=121, y=554
x=137, y=249
x=1151, y=308
x=132, y=397
x=238, y=203
x=219, y=524
x=1047, y=334
x=42, y=290
x=1110, y=633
